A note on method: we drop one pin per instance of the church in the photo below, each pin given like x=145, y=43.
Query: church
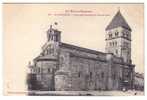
x=65, y=67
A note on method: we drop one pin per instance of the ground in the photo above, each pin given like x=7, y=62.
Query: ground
x=77, y=93
x=87, y=93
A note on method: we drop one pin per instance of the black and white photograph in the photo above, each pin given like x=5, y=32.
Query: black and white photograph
x=67, y=49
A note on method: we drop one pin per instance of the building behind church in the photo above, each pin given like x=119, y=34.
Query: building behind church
x=65, y=67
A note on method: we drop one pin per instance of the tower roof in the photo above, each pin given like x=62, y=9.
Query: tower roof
x=117, y=21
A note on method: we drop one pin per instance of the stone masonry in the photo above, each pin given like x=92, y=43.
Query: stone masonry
x=64, y=67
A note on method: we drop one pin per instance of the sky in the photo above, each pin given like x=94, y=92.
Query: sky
x=25, y=26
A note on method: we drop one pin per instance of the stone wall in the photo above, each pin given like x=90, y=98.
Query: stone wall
x=78, y=69
x=87, y=71
x=90, y=74
x=45, y=74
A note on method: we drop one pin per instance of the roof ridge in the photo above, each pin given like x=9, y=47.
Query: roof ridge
x=80, y=48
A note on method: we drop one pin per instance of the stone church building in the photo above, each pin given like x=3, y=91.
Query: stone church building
x=65, y=67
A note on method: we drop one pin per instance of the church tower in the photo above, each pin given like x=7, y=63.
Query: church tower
x=53, y=34
x=53, y=39
x=118, y=38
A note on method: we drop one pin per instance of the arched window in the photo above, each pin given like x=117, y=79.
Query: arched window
x=115, y=43
x=116, y=51
x=116, y=34
x=90, y=74
x=102, y=74
x=127, y=35
x=114, y=76
x=128, y=52
x=61, y=60
x=48, y=70
x=124, y=34
x=39, y=70
x=110, y=35
x=79, y=74
x=56, y=36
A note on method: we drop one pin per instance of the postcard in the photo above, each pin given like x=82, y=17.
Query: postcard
x=65, y=49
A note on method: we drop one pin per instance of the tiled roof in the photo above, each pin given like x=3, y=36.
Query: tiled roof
x=46, y=57
x=80, y=48
x=117, y=21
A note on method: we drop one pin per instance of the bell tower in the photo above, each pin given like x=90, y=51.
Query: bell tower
x=118, y=38
x=53, y=39
x=53, y=34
